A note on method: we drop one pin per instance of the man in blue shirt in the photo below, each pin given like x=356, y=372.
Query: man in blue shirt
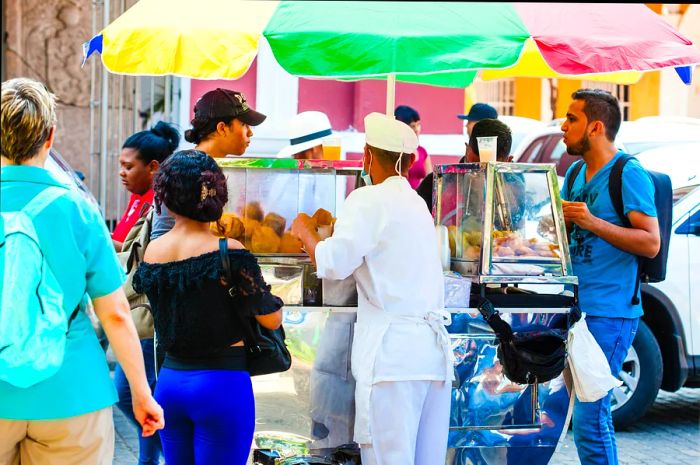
x=604, y=252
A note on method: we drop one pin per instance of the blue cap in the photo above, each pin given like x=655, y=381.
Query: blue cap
x=480, y=111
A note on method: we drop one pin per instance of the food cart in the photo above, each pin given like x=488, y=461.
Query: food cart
x=310, y=408
x=489, y=214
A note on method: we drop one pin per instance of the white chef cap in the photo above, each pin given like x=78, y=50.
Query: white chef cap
x=387, y=133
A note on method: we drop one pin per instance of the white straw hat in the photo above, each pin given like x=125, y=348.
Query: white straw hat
x=306, y=130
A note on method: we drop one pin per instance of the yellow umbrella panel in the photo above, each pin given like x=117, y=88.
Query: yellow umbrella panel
x=159, y=37
x=531, y=64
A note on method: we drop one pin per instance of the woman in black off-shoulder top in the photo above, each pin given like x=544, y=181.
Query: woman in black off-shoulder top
x=203, y=387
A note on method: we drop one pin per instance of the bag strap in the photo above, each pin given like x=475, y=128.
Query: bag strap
x=575, y=170
x=615, y=188
x=35, y=206
x=248, y=336
x=145, y=232
x=615, y=192
x=493, y=318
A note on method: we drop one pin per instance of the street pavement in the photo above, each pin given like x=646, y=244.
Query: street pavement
x=669, y=434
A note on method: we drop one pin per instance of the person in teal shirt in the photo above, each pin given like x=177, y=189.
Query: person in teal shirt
x=67, y=418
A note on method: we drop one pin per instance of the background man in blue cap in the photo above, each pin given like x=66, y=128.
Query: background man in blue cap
x=477, y=112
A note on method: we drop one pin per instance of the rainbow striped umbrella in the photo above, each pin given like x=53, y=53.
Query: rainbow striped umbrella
x=437, y=43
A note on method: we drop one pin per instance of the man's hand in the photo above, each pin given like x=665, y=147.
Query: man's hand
x=148, y=413
x=303, y=225
x=578, y=214
x=642, y=238
x=304, y=228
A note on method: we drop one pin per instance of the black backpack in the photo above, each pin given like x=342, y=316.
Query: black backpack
x=650, y=270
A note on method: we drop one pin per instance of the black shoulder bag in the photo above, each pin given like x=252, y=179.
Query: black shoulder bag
x=529, y=357
x=266, y=351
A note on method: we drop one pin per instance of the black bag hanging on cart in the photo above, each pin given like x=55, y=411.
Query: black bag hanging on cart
x=534, y=356
x=266, y=351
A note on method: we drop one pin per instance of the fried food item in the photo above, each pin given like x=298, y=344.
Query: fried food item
x=276, y=222
x=249, y=226
x=265, y=240
x=323, y=217
x=290, y=244
x=253, y=210
x=503, y=251
x=473, y=237
x=473, y=252
x=231, y=225
x=324, y=231
x=524, y=251
x=216, y=229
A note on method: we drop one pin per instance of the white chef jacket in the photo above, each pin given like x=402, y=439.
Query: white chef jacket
x=385, y=237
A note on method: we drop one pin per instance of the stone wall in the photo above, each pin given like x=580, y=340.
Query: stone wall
x=43, y=41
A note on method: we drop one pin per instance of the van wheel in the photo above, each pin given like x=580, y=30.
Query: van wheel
x=641, y=376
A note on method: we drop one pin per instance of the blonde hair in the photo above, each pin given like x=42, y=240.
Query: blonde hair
x=28, y=114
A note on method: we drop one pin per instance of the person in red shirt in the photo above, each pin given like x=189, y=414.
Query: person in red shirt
x=140, y=158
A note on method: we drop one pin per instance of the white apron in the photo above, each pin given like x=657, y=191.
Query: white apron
x=369, y=334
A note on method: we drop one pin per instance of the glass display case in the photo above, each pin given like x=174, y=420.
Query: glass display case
x=265, y=195
x=504, y=222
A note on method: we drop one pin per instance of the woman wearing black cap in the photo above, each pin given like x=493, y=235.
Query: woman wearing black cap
x=221, y=126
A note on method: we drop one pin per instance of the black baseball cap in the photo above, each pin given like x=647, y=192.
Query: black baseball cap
x=224, y=103
x=480, y=111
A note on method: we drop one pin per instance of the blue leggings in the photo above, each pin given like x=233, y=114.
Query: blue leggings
x=209, y=416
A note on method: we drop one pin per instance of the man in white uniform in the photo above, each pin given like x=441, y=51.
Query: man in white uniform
x=401, y=357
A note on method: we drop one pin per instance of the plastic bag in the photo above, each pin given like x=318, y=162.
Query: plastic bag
x=589, y=367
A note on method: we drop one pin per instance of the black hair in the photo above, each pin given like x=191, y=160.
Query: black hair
x=406, y=114
x=157, y=143
x=388, y=159
x=203, y=126
x=488, y=128
x=601, y=105
x=191, y=184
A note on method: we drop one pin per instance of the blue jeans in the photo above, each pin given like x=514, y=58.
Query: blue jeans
x=594, y=434
x=150, y=448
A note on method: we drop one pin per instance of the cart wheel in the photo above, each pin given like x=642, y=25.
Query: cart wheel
x=641, y=376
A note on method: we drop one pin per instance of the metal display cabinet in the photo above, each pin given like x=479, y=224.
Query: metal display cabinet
x=265, y=195
x=507, y=236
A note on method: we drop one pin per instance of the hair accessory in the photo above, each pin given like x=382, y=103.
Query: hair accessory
x=206, y=192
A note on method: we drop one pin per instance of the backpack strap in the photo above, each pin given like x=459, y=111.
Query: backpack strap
x=248, y=334
x=35, y=206
x=575, y=170
x=615, y=188
x=615, y=192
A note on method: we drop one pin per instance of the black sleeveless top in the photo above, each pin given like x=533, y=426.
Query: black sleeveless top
x=192, y=310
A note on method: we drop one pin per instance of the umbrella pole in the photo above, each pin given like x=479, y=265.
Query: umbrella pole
x=390, y=93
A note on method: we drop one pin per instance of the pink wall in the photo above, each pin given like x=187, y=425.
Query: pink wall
x=245, y=84
x=347, y=103
x=438, y=106
x=334, y=98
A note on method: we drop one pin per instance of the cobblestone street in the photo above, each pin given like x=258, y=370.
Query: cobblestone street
x=668, y=435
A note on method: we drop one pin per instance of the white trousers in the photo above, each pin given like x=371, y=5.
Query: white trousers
x=409, y=422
